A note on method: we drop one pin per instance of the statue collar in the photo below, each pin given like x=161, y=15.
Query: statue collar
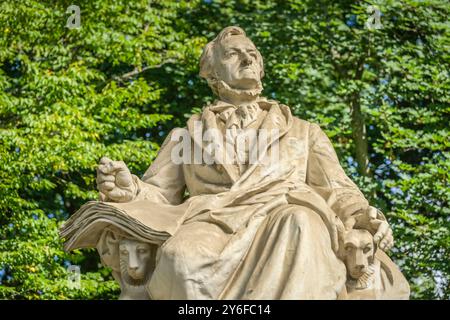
x=277, y=122
x=219, y=106
x=278, y=115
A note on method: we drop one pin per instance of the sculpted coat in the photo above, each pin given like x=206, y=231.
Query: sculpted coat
x=250, y=234
x=260, y=229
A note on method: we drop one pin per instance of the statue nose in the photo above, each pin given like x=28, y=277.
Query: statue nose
x=246, y=60
x=133, y=263
x=133, y=268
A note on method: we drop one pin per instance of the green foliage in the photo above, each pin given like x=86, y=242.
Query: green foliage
x=119, y=83
x=67, y=99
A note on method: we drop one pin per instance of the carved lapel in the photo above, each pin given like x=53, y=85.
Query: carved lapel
x=208, y=120
x=279, y=118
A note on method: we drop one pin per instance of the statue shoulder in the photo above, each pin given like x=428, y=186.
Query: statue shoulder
x=301, y=122
x=312, y=128
x=195, y=117
x=168, y=139
x=315, y=131
x=311, y=131
x=181, y=131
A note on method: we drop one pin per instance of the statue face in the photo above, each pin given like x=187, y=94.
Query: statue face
x=136, y=256
x=237, y=63
x=359, y=252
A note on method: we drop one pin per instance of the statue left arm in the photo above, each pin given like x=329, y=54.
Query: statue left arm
x=326, y=176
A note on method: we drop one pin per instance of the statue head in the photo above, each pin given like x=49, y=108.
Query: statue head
x=359, y=252
x=232, y=61
x=135, y=260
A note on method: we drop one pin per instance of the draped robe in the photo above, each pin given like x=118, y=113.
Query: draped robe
x=261, y=231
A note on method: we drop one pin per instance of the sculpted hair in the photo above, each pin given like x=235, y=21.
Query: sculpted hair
x=207, y=70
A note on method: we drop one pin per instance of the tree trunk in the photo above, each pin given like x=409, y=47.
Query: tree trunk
x=359, y=136
x=359, y=126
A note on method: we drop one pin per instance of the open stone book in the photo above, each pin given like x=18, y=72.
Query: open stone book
x=85, y=227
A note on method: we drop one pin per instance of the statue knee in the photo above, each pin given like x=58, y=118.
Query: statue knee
x=176, y=248
x=186, y=247
x=298, y=216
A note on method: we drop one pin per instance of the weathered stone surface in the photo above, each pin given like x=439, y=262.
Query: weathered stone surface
x=271, y=218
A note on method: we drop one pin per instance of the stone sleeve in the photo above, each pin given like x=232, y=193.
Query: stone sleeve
x=326, y=176
x=163, y=182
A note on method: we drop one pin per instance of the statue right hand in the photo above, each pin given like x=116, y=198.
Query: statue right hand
x=114, y=181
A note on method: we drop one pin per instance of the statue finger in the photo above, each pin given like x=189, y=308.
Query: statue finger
x=118, y=165
x=102, y=196
x=372, y=213
x=382, y=229
x=375, y=223
x=106, y=186
x=118, y=195
x=387, y=241
x=105, y=178
x=111, y=167
x=104, y=169
x=391, y=244
x=105, y=160
x=390, y=241
x=389, y=237
x=124, y=179
x=388, y=233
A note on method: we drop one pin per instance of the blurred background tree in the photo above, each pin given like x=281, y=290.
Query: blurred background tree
x=117, y=84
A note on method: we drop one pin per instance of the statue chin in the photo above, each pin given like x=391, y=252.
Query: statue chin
x=138, y=276
x=246, y=83
x=224, y=90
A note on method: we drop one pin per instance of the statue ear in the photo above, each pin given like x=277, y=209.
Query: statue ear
x=342, y=234
x=108, y=249
x=261, y=63
x=207, y=61
x=112, y=239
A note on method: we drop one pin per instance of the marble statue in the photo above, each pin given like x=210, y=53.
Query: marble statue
x=228, y=222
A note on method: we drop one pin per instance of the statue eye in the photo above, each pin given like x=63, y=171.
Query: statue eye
x=142, y=251
x=367, y=249
x=124, y=251
x=348, y=248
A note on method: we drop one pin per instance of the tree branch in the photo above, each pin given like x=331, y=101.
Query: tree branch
x=137, y=70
